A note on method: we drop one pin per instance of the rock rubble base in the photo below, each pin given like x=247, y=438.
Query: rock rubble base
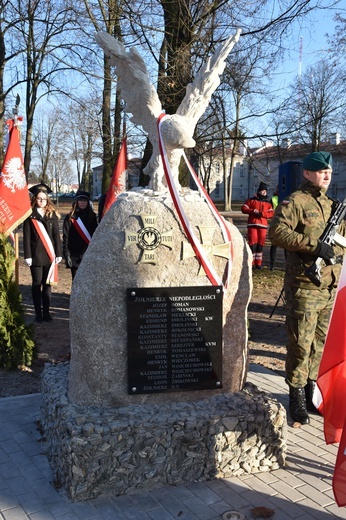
x=94, y=450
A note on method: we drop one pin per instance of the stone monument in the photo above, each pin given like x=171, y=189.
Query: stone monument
x=154, y=393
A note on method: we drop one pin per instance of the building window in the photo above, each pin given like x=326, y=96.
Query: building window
x=241, y=170
x=217, y=189
x=217, y=168
x=334, y=190
x=241, y=192
x=336, y=167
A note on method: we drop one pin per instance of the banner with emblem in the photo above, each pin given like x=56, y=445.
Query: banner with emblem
x=15, y=204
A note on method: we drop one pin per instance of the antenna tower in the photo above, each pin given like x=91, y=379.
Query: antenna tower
x=300, y=76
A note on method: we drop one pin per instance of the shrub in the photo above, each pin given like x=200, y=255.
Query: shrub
x=17, y=346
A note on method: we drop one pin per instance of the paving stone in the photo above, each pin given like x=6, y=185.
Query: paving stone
x=301, y=491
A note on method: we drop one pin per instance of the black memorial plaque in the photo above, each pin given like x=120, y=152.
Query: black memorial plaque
x=174, y=338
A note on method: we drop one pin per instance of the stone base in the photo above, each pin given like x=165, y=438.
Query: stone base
x=135, y=448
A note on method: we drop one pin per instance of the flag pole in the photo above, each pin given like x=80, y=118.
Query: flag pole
x=16, y=257
x=124, y=125
x=16, y=235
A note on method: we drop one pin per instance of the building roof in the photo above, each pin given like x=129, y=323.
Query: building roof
x=296, y=152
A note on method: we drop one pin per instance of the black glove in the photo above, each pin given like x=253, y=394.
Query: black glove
x=68, y=261
x=324, y=251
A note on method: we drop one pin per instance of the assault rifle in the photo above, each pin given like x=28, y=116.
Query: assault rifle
x=330, y=236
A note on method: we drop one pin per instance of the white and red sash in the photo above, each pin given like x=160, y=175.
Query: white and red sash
x=81, y=229
x=195, y=243
x=52, y=277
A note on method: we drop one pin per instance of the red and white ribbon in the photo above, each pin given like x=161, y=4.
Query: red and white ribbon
x=195, y=243
x=82, y=230
x=52, y=277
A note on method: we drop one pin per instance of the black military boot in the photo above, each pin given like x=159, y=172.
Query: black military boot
x=297, y=406
x=309, y=392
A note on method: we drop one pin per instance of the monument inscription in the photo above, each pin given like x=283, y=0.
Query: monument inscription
x=174, y=339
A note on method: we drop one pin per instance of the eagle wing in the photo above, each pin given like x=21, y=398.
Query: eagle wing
x=133, y=79
x=199, y=92
x=143, y=103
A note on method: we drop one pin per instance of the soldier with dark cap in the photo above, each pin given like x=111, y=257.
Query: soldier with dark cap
x=297, y=227
x=259, y=210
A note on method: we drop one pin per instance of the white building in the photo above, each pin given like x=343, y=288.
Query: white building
x=250, y=167
x=262, y=164
x=132, y=176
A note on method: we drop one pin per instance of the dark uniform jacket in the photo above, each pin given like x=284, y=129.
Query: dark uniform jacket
x=33, y=246
x=297, y=225
x=73, y=244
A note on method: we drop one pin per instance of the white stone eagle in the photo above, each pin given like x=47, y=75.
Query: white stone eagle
x=143, y=103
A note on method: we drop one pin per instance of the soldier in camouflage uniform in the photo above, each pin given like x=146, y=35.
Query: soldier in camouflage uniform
x=297, y=225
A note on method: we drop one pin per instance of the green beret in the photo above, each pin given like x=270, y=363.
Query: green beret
x=317, y=161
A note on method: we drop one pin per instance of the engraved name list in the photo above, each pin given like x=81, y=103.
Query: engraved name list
x=174, y=339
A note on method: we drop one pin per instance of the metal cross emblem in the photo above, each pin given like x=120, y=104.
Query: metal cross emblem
x=207, y=232
x=148, y=239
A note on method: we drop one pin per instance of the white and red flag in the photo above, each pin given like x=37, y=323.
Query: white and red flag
x=118, y=181
x=330, y=394
x=15, y=204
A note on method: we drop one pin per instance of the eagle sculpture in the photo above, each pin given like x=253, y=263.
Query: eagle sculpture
x=143, y=103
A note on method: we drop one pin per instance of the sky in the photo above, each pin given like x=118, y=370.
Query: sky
x=308, y=44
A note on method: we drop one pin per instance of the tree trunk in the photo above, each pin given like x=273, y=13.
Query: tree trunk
x=106, y=127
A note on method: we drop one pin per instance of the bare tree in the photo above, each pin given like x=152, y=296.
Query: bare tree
x=9, y=50
x=46, y=138
x=104, y=15
x=191, y=31
x=41, y=35
x=179, y=34
x=60, y=171
x=316, y=104
x=82, y=122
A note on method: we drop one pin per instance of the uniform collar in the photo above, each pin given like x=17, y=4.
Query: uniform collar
x=309, y=186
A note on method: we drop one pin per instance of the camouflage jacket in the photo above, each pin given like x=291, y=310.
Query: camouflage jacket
x=297, y=225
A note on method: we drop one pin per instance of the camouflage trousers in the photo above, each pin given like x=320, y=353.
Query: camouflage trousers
x=307, y=319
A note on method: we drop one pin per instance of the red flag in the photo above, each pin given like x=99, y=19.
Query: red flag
x=339, y=477
x=14, y=195
x=118, y=181
x=329, y=397
x=330, y=394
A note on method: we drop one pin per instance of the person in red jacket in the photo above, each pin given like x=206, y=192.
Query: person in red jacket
x=259, y=210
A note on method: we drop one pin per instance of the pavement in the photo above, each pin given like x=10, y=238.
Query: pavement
x=301, y=491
